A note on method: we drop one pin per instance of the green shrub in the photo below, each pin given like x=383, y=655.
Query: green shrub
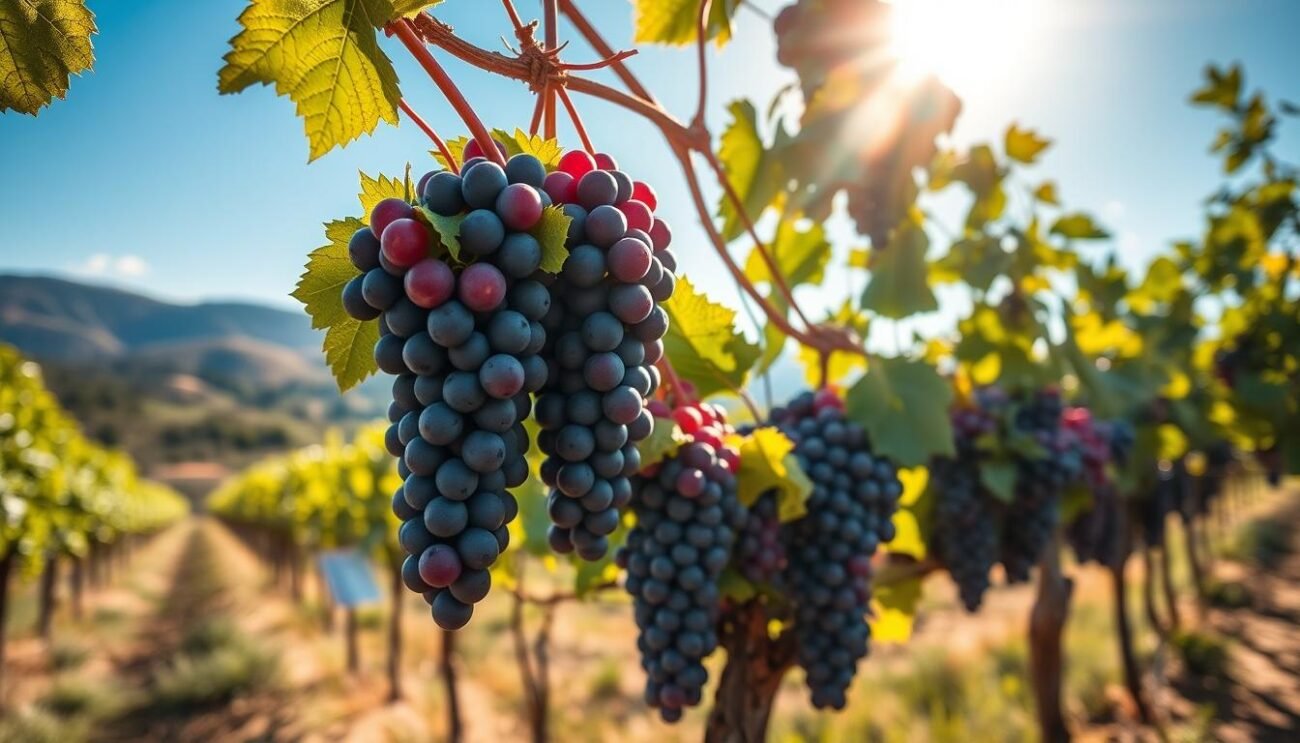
x=66, y=656
x=40, y=727
x=1204, y=654
x=1263, y=542
x=1228, y=594
x=75, y=697
x=209, y=636
x=197, y=679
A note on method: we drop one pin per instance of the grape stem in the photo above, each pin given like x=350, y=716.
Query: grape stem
x=424, y=126
x=674, y=381
x=701, y=48
x=406, y=33
x=577, y=120
x=551, y=31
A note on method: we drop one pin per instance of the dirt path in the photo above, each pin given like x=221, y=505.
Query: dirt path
x=1261, y=701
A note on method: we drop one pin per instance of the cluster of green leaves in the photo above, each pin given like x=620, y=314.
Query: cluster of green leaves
x=333, y=495
x=59, y=492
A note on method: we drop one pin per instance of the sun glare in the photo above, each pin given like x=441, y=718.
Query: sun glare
x=969, y=44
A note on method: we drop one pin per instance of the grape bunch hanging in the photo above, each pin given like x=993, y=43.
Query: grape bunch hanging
x=687, y=516
x=471, y=336
x=607, y=329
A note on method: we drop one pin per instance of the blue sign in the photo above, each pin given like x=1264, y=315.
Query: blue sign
x=347, y=574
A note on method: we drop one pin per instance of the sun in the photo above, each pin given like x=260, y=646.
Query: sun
x=969, y=44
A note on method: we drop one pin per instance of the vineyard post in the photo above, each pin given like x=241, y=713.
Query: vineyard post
x=1123, y=631
x=49, y=581
x=1189, y=517
x=77, y=580
x=1149, y=593
x=1046, y=623
x=398, y=588
x=1167, y=579
x=6, y=571
x=447, y=671
x=350, y=640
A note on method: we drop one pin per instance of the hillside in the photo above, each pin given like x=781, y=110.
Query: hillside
x=214, y=382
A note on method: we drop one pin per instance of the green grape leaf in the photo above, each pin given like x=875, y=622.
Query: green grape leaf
x=912, y=519
x=734, y=586
x=703, y=343
x=1024, y=145
x=591, y=576
x=551, y=231
x=753, y=171
x=456, y=146
x=800, y=256
x=975, y=260
x=42, y=44
x=998, y=476
x=1162, y=284
x=322, y=54
x=1078, y=226
x=893, y=605
x=529, y=529
x=446, y=228
x=1222, y=88
x=899, y=284
x=768, y=463
x=663, y=442
x=842, y=364
x=546, y=150
x=1046, y=193
x=675, y=22
x=408, y=8
x=904, y=406
x=349, y=344
x=375, y=190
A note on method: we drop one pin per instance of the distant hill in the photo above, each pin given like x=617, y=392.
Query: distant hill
x=214, y=382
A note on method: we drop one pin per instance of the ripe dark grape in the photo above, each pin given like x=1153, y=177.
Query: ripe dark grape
x=380, y=289
x=674, y=585
x=481, y=183
x=519, y=206
x=526, y=169
x=385, y=213
x=760, y=553
x=481, y=232
x=405, y=242
x=429, y=283
x=441, y=194
x=354, y=300
x=363, y=250
x=829, y=550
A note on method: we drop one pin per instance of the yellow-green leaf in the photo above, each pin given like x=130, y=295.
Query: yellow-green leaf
x=408, y=8
x=1078, y=226
x=904, y=406
x=546, y=150
x=899, y=284
x=349, y=344
x=375, y=190
x=894, y=610
x=446, y=228
x=676, y=21
x=663, y=442
x=1046, y=193
x=753, y=173
x=1024, y=145
x=800, y=255
x=42, y=44
x=703, y=343
x=1222, y=88
x=322, y=54
x=768, y=464
x=551, y=231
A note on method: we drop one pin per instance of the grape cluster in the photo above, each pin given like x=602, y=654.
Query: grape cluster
x=1041, y=481
x=1098, y=534
x=606, y=328
x=850, y=510
x=463, y=341
x=687, y=515
x=965, y=533
x=760, y=554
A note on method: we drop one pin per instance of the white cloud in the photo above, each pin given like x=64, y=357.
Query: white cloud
x=121, y=266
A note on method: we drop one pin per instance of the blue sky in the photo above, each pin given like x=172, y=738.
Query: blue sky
x=147, y=178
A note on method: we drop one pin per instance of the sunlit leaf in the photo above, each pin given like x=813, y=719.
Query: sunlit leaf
x=753, y=172
x=904, y=406
x=42, y=44
x=546, y=150
x=323, y=55
x=899, y=284
x=800, y=256
x=676, y=21
x=894, y=610
x=1078, y=226
x=1024, y=145
x=768, y=464
x=349, y=344
x=703, y=342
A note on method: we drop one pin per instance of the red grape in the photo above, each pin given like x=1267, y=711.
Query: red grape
x=562, y=187
x=429, y=283
x=482, y=287
x=440, y=566
x=405, y=242
x=641, y=191
x=638, y=215
x=473, y=150
x=605, y=162
x=386, y=212
x=689, y=419
x=519, y=206
x=629, y=260
x=576, y=163
x=660, y=234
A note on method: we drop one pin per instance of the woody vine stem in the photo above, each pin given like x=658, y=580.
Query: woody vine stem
x=548, y=77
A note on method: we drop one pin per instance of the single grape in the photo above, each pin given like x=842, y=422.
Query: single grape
x=481, y=232
x=429, y=283
x=442, y=194
x=481, y=184
x=482, y=287
x=519, y=206
x=386, y=212
x=405, y=242
x=363, y=250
